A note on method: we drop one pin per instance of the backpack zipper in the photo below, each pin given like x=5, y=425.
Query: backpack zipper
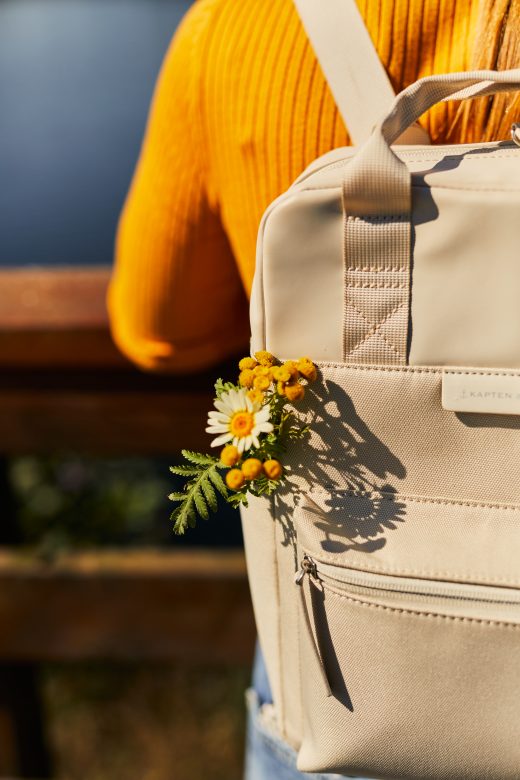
x=381, y=582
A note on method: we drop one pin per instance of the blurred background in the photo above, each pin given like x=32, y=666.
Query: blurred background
x=124, y=651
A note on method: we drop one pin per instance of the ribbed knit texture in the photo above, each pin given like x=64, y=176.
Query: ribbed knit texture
x=241, y=107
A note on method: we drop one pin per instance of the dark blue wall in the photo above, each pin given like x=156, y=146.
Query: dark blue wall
x=76, y=78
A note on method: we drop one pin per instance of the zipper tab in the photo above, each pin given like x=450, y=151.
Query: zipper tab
x=307, y=566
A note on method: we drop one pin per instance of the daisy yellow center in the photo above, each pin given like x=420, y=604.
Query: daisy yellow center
x=241, y=424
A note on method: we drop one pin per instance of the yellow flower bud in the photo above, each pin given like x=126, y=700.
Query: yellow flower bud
x=251, y=468
x=256, y=396
x=265, y=358
x=292, y=368
x=247, y=362
x=229, y=455
x=280, y=388
x=273, y=469
x=246, y=378
x=295, y=392
x=235, y=479
x=307, y=369
x=262, y=382
x=283, y=374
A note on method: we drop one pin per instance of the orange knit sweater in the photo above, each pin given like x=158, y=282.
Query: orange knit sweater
x=240, y=108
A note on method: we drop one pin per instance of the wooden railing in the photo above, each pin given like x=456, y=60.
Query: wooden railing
x=64, y=387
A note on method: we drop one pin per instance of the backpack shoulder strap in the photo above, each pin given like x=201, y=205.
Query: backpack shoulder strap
x=351, y=65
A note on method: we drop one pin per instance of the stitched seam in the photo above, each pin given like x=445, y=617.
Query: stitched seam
x=418, y=613
x=379, y=218
x=375, y=328
x=378, y=285
x=278, y=620
x=397, y=497
x=482, y=373
x=462, y=189
x=371, y=268
x=405, y=369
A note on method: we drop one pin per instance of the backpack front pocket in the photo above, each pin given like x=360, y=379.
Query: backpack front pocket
x=406, y=676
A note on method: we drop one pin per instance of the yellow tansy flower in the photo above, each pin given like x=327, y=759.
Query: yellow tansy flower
x=246, y=377
x=265, y=358
x=292, y=368
x=262, y=382
x=235, y=479
x=251, y=468
x=230, y=455
x=247, y=362
x=283, y=374
x=280, y=388
x=307, y=369
x=262, y=371
x=273, y=469
x=256, y=396
x=294, y=392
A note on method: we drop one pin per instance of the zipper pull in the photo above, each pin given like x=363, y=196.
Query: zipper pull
x=307, y=566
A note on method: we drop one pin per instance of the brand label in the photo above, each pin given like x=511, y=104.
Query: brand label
x=481, y=391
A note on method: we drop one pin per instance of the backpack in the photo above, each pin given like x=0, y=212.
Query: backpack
x=386, y=578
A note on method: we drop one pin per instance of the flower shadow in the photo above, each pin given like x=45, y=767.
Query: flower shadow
x=343, y=457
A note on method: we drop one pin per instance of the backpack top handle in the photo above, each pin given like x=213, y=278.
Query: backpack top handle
x=376, y=181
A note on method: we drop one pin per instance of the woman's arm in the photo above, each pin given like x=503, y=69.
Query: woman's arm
x=176, y=301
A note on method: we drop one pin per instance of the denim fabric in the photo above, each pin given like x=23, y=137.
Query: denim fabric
x=267, y=756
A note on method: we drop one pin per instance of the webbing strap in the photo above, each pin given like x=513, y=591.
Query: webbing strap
x=350, y=63
x=377, y=202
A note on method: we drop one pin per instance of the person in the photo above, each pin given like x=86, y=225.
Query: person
x=240, y=109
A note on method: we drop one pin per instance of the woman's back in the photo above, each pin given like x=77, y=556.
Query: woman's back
x=240, y=110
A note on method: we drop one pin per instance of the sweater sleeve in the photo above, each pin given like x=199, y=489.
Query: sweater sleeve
x=176, y=302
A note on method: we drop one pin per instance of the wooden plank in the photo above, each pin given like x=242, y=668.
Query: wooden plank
x=116, y=605
x=60, y=348
x=103, y=423
x=46, y=299
x=56, y=316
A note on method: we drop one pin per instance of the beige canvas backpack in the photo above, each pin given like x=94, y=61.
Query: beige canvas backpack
x=386, y=578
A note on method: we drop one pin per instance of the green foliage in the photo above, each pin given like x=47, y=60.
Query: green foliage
x=223, y=387
x=200, y=492
x=202, y=471
x=69, y=502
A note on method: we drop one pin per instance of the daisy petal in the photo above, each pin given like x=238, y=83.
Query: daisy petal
x=221, y=440
x=218, y=416
x=264, y=427
x=221, y=405
x=217, y=429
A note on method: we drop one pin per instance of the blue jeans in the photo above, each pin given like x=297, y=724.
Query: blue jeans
x=267, y=756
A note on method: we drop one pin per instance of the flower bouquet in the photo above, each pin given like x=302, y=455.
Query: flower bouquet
x=253, y=422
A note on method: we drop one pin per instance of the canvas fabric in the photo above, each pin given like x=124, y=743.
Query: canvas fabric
x=398, y=654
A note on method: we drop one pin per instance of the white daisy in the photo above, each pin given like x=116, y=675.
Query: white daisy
x=239, y=420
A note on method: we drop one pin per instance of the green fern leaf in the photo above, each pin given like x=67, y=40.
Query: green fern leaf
x=177, y=496
x=218, y=482
x=236, y=499
x=184, y=471
x=209, y=493
x=200, y=503
x=198, y=458
x=180, y=518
